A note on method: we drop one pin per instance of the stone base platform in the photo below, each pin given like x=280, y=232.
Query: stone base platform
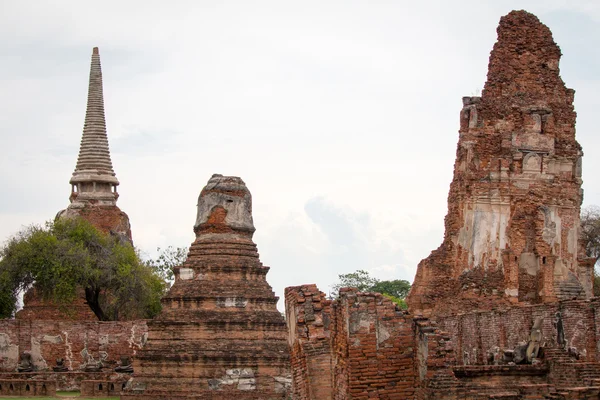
x=65, y=381
x=206, y=395
x=102, y=388
x=508, y=382
x=24, y=387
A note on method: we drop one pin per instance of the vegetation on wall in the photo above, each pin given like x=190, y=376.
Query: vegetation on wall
x=396, y=290
x=168, y=258
x=68, y=258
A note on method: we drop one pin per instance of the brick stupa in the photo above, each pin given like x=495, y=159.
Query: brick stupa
x=512, y=228
x=219, y=335
x=93, y=197
x=94, y=182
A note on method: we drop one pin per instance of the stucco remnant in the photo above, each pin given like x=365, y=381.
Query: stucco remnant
x=511, y=232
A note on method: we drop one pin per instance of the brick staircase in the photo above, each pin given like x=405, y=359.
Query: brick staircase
x=587, y=393
x=502, y=382
x=569, y=289
x=562, y=367
x=589, y=373
x=529, y=392
x=574, y=379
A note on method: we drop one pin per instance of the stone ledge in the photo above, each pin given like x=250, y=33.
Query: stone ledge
x=481, y=370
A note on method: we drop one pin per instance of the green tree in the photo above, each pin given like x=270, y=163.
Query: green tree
x=168, y=258
x=395, y=290
x=359, y=279
x=590, y=238
x=68, y=257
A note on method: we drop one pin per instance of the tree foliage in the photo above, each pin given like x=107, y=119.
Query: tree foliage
x=359, y=279
x=396, y=290
x=68, y=257
x=590, y=231
x=590, y=238
x=168, y=258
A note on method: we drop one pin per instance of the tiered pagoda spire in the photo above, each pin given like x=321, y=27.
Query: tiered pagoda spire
x=93, y=196
x=94, y=179
x=94, y=182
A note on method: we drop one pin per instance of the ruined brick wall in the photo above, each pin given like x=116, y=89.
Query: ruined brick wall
x=434, y=359
x=512, y=228
x=475, y=335
x=308, y=317
x=360, y=347
x=380, y=346
x=595, y=305
x=357, y=347
x=36, y=308
x=49, y=340
x=109, y=219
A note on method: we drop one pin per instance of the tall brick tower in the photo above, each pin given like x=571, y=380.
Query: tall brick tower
x=94, y=183
x=512, y=228
x=219, y=335
x=93, y=196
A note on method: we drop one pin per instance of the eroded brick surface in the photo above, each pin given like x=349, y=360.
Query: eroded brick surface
x=360, y=347
x=509, y=275
x=357, y=347
x=72, y=341
x=219, y=335
x=37, y=308
x=512, y=228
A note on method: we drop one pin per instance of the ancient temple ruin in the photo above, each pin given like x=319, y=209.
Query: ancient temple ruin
x=512, y=228
x=502, y=309
x=93, y=197
x=48, y=347
x=219, y=334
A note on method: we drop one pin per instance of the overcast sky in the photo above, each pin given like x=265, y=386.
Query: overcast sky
x=342, y=117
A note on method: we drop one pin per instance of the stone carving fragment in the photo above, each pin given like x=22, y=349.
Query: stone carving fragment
x=125, y=366
x=560, y=331
x=60, y=366
x=535, y=338
x=25, y=363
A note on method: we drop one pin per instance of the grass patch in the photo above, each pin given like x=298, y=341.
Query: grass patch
x=61, y=395
x=76, y=395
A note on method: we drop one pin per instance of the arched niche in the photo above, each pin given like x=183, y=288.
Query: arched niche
x=532, y=163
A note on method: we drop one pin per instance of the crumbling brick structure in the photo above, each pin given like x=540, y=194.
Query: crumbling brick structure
x=78, y=343
x=358, y=347
x=512, y=228
x=22, y=387
x=219, y=334
x=35, y=307
x=502, y=309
